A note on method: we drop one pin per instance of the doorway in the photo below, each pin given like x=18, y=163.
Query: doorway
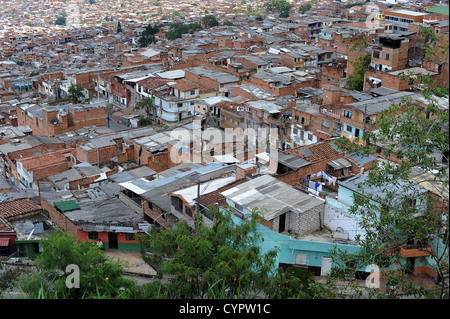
x=282, y=223
x=113, y=242
x=326, y=266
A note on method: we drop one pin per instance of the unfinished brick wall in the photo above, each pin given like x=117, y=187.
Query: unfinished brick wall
x=42, y=173
x=157, y=215
x=59, y=218
x=74, y=120
x=331, y=74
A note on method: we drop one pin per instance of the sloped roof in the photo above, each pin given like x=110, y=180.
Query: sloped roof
x=13, y=209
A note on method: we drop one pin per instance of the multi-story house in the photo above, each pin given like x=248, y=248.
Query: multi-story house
x=271, y=115
x=54, y=120
x=305, y=118
x=402, y=18
x=173, y=100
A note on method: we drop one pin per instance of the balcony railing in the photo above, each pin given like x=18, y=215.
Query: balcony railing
x=331, y=114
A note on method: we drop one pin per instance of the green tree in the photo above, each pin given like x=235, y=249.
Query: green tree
x=360, y=64
x=219, y=261
x=99, y=275
x=144, y=121
x=392, y=206
x=147, y=104
x=284, y=14
x=148, y=35
x=210, y=21
x=278, y=6
x=305, y=7
x=176, y=30
x=61, y=20
x=75, y=93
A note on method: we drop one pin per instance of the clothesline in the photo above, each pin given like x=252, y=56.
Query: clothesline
x=316, y=185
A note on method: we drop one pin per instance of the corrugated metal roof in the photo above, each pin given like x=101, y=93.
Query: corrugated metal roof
x=340, y=163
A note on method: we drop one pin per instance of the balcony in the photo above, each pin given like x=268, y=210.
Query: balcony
x=419, y=250
x=330, y=114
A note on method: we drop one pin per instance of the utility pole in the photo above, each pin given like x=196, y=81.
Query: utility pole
x=365, y=120
x=198, y=198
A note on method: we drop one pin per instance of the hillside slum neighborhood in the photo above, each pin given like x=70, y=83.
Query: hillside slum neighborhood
x=90, y=167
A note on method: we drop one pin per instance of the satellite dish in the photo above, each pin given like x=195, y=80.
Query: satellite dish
x=340, y=230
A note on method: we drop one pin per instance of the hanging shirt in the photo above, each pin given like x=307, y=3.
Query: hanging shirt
x=319, y=188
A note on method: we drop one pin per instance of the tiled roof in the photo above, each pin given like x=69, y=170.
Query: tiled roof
x=5, y=226
x=315, y=152
x=153, y=83
x=184, y=85
x=13, y=209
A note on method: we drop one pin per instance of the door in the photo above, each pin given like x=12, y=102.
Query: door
x=113, y=242
x=282, y=223
x=326, y=266
x=300, y=259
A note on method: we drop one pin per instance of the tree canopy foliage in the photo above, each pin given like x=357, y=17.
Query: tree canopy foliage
x=221, y=261
x=76, y=94
x=210, y=21
x=404, y=200
x=100, y=276
x=176, y=30
x=61, y=20
x=148, y=35
x=278, y=6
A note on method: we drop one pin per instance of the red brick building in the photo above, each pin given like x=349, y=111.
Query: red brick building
x=54, y=120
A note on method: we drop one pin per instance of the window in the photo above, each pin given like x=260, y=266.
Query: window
x=93, y=235
x=387, y=56
x=296, y=117
x=310, y=137
x=129, y=236
x=325, y=123
x=349, y=129
x=177, y=203
x=376, y=54
x=348, y=114
x=311, y=122
x=300, y=259
x=188, y=211
x=150, y=206
x=295, y=130
x=192, y=92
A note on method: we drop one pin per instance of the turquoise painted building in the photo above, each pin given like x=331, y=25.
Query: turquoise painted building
x=313, y=255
